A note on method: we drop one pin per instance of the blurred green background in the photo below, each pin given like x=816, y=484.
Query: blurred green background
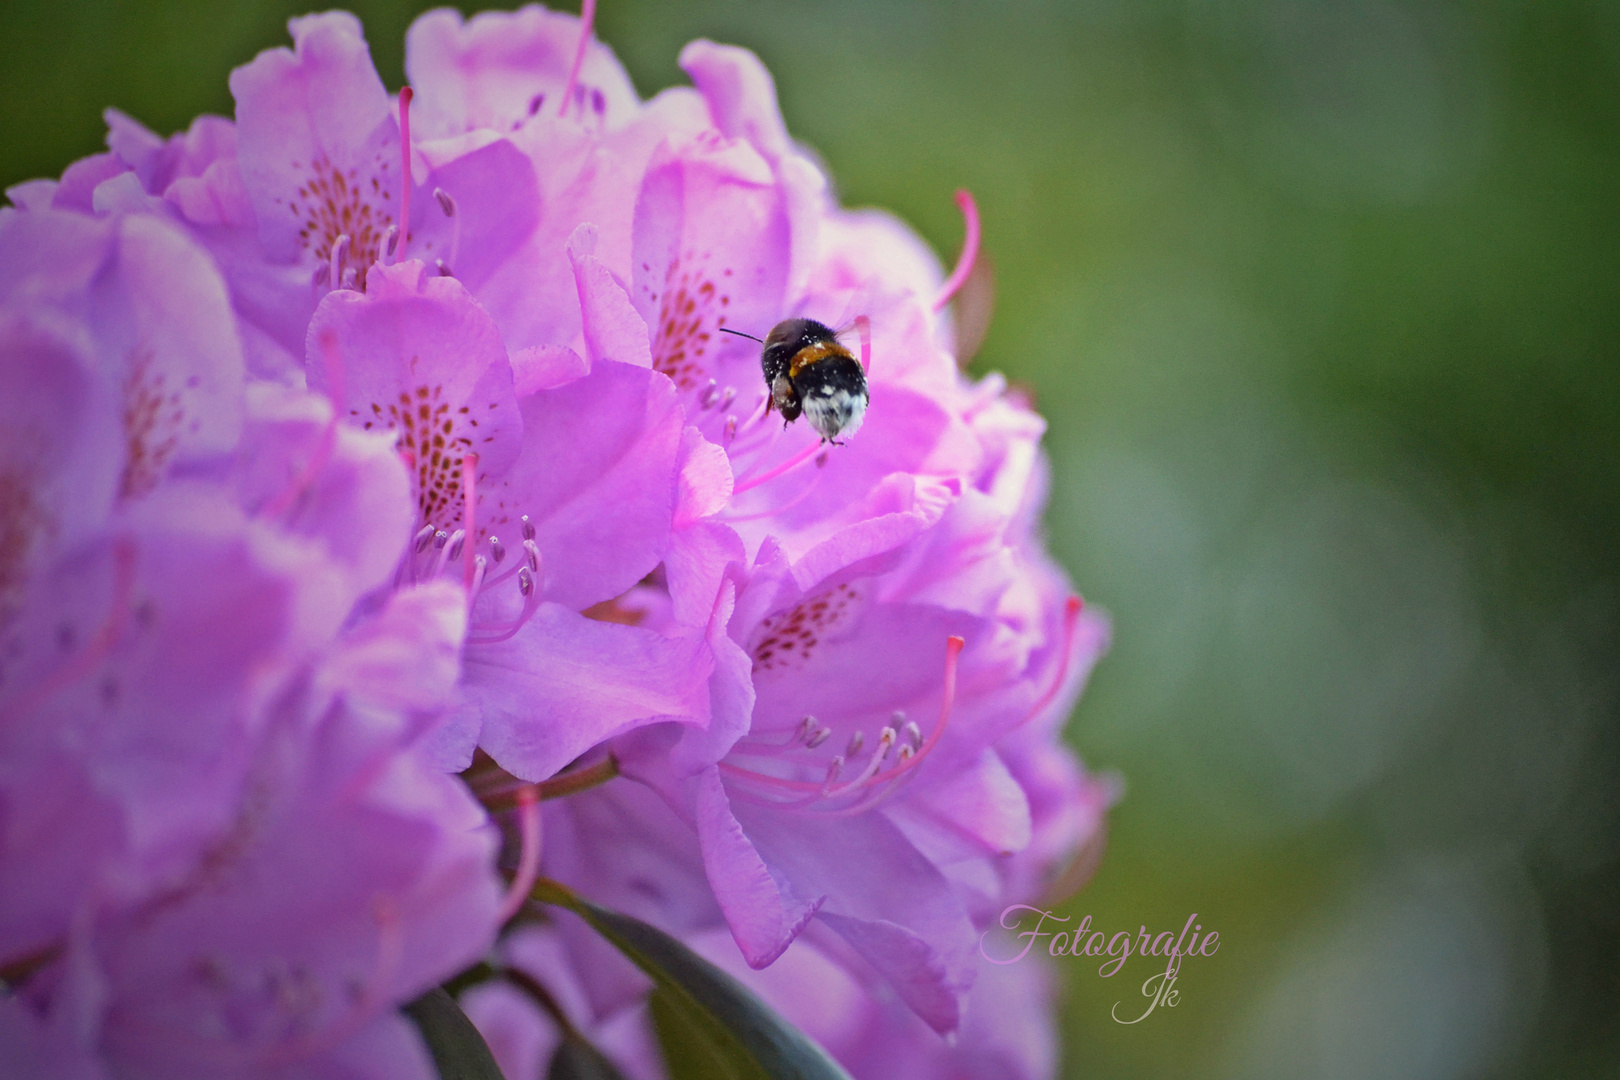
x=1322, y=301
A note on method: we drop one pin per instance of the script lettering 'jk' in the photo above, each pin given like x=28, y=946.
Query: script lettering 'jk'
x=1164, y=993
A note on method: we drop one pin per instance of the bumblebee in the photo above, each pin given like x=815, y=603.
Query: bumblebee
x=807, y=371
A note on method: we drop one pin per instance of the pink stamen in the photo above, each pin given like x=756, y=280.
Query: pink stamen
x=529, y=586
x=469, y=503
x=781, y=508
x=528, y=798
x=405, y=95
x=1071, y=624
x=863, y=326
x=452, y=547
x=340, y=254
x=771, y=474
x=505, y=632
x=877, y=784
x=587, y=16
x=970, y=249
x=336, y=391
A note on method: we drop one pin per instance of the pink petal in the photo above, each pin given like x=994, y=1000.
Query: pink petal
x=596, y=679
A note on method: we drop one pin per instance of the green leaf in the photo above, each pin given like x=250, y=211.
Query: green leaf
x=458, y=1049
x=712, y=1027
x=577, y=1059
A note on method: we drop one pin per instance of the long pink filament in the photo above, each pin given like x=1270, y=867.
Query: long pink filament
x=469, y=504
x=1071, y=623
x=405, y=96
x=797, y=459
x=970, y=249
x=587, y=16
x=528, y=869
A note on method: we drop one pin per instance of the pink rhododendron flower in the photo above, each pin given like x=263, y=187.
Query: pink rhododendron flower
x=367, y=439
x=220, y=854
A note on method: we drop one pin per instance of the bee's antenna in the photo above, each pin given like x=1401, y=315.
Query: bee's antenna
x=739, y=333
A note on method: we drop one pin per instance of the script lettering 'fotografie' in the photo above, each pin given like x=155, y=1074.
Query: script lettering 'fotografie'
x=1084, y=941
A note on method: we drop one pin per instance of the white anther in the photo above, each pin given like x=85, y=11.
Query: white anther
x=351, y=280
x=897, y=719
x=731, y=430
x=339, y=255
x=806, y=727
x=456, y=539
x=446, y=203
x=886, y=739
x=444, y=270
x=440, y=538
x=525, y=582
x=390, y=240
x=711, y=394
x=497, y=549
x=856, y=741
x=424, y=537
x=528, y=528
x=819, y=737
x=728, y=397
x=531, y=551
x=906, y=753
x=834, y=767
x=913, y=733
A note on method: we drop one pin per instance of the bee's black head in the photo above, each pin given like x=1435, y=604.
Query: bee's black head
x=794, y=334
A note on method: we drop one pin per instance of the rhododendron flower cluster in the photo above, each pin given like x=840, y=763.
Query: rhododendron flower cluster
x=373, y=467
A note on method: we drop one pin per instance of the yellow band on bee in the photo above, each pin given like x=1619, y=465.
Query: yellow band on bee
x=812, y=353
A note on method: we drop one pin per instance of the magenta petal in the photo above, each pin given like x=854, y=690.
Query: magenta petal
x=740, y=92
x=357, y=504
x=388, y=1048
x=612, y=328
x=764, y=916
x=979, y=810
x=597, y=480
x=80, y=180
x=882, y=896
x=160, y=722
x=350, y=864
x=57, y=836
x=36, y=1049
x=595, y=680
x=546, y=367
x=499, y=69
x=60, y=458
x=32, y=196
x=408, y=656
x=421, y=359
x=712, y=247
x=706, y=478
x=731, y=695
x=495, y=201
x=519, y=1035
x=188, y=353
x=217, y=197
x=699, y=557
x=317, y=140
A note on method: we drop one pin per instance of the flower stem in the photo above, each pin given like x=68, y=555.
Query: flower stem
x=502, y=791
